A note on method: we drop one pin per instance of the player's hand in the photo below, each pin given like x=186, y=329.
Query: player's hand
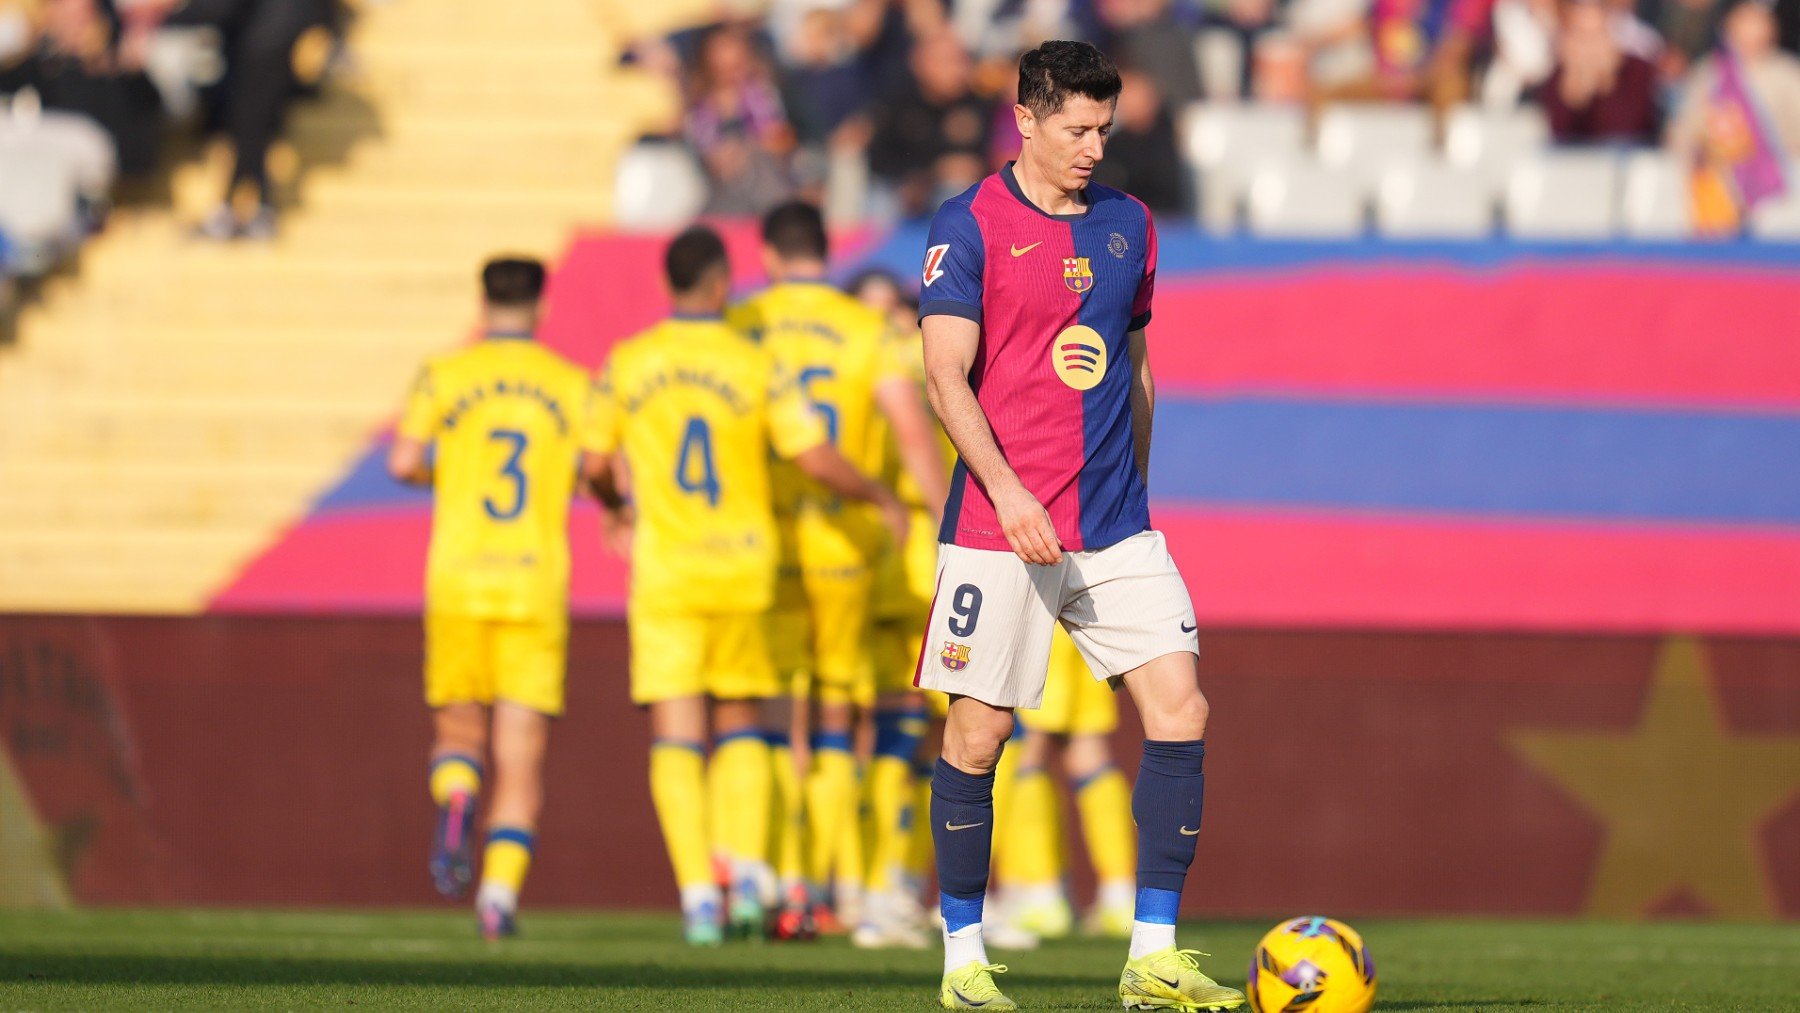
x=898, y=520
x=1027, y=526
x=615, y=530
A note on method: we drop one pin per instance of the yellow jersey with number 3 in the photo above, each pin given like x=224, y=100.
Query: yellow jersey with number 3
x=839, y=351
x=505, y=419
x=695, y=407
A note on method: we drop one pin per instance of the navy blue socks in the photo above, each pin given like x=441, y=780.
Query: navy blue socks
x=1166, y=804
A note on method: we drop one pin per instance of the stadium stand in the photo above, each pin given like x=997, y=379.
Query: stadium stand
x=167, y=410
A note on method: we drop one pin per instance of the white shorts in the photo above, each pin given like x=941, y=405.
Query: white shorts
x=993, y=613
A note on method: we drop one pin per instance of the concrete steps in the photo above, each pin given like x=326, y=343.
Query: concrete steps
x=174, y=405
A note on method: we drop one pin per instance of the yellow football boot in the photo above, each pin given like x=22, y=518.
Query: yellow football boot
x=971, y=986
x=1171, y=979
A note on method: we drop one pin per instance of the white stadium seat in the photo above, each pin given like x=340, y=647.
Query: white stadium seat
x=658, y=186
x=1493, y=142
x=1655, y=202
x=1363, y=139
x=1226, y=142
x=1564, y=195
x=1304, y=199
x=38, y=208
x=1778, y=219
x=1431, y=199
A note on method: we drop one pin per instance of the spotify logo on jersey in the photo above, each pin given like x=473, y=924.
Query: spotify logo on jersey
x=1079, y=356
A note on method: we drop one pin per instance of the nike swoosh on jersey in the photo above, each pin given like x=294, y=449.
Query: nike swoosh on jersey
x=1185, y=628
x=1021, y=251
x=964, y=826
x=1185, y=832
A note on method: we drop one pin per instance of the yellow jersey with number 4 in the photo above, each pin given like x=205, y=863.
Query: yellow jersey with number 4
x=839, y=351
x=505, y=418
x=695, y=407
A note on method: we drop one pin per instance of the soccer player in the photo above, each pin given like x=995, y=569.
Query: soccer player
x=1077, y=716
x=858, y=372
x=694, y=407
x=892, y=915
x=505, y=418
x=1037, y=294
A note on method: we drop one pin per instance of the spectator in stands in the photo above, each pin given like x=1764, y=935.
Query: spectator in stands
x=1334, y=35
x=930, y=141
x=1524, y=51
x=1770, y=76
x=1145, y=34
x=273, y=48
x=1689, y=28
x=824, y=75
x=1245, y=22
x=1141, y=155
x=1598, y=91
x=75, y=58
x=1423, y=50
x=737, y=126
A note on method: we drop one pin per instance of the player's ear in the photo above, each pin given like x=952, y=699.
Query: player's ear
x=1025, y=121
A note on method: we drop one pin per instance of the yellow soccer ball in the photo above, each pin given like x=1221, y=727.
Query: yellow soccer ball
x=1311, y=965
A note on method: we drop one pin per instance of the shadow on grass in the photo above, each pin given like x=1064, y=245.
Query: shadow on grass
x=259, y=970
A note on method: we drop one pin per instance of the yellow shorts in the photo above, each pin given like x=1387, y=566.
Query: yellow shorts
x=682, y=654
x=484, y=660
x=894, y=645
x=904, y=580
x=820, y=644
x=1075, y=703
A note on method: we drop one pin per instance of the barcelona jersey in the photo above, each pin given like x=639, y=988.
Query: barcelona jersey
x=1056, y=296
x=505, y=417
x=696, y=407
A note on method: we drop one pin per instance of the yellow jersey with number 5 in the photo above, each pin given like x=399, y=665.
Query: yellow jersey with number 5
x=505, y=418
x=839, y=351
x=696, y=407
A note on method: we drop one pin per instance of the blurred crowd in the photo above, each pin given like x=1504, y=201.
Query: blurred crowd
x=918, y=92
x=90, y=88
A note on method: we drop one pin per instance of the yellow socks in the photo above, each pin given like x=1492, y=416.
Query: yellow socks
x=504, y=865
x=678, y=788
x=454, y=774
x=1033, y=853
x=787, y=846
x=830, y=805
x=921, y=851
x=1104, y=801
x=742, y=785
x=890, y=795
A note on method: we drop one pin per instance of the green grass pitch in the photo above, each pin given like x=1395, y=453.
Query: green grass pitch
x=410, y=960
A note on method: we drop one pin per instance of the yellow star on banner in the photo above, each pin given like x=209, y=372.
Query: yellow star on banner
x=1683, y=798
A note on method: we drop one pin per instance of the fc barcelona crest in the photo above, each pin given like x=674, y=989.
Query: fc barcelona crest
x=954, y=656
x=1078, y=275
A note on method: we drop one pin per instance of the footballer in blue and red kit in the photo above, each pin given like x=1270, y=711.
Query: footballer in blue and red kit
x=1037, y=292
x=1057, y=297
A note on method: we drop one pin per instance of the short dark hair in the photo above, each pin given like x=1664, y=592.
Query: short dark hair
x=795, y=229
x=512, y=281
x=691, y=255
x=1052, y=72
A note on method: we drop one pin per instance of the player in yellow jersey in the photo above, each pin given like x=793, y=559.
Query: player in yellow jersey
x=892, y=915
x=855, y=369
x=694, y=407
x=505, y=419
x=1078, y=715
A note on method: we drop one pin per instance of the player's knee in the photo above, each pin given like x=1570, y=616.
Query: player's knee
x=1193, y=716
x=977, y=749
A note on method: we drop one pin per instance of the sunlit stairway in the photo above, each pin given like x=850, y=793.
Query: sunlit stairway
x=172, y=406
